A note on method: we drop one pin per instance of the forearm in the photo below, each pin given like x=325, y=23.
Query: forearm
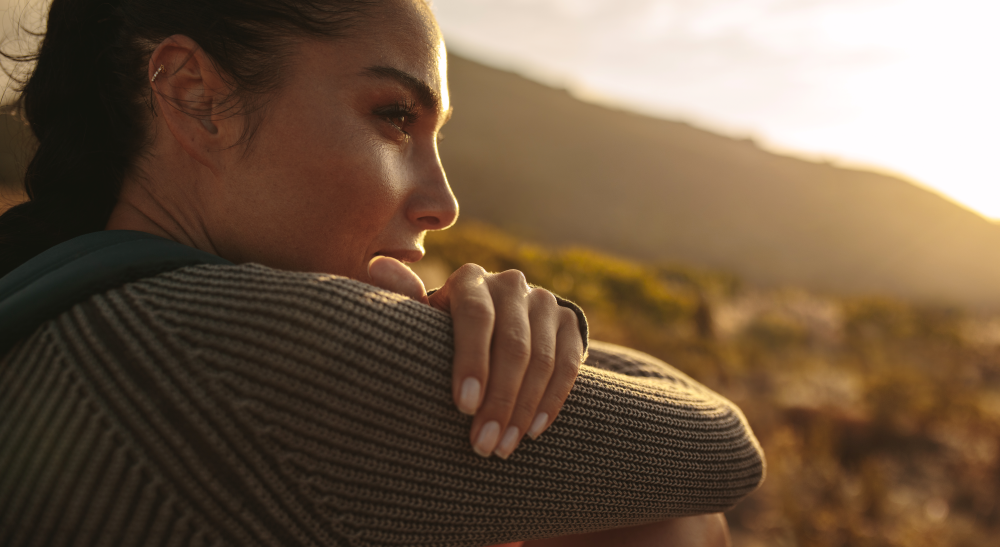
x=270, y=408
x=698, y=531
x=706, y=530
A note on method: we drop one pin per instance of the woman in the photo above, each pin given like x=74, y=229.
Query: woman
x=247, y=403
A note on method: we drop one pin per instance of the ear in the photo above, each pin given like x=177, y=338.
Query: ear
x=193, y=100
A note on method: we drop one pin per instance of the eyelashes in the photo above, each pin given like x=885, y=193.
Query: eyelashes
x=401, y=115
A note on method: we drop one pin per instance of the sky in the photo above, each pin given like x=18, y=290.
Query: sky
x=908, y=87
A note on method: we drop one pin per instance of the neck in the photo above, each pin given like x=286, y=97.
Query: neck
x=140, y=208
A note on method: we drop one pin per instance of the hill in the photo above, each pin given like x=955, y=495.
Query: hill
x=541, y=164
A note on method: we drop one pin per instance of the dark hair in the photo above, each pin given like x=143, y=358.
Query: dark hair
x=88, y=98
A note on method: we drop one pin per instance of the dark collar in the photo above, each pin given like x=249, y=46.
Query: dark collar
x=72, y=271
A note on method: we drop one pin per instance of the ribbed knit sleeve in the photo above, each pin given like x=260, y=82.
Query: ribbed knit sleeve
x=245, y=406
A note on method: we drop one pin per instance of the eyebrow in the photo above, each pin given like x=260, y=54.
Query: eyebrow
x=427, y=97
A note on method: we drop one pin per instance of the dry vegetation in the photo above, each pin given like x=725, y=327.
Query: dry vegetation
x=879, y=418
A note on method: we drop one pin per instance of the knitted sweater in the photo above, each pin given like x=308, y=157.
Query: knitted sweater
x=246, y=406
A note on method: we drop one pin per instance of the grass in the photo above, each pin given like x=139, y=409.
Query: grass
x=879, y=418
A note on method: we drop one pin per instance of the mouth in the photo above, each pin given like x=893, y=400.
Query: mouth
x=406, y=256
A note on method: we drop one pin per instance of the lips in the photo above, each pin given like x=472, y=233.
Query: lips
x=403, y=255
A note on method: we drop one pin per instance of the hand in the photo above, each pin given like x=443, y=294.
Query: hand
x=517, y=352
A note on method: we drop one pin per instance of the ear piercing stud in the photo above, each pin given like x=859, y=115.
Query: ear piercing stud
x=155, y=74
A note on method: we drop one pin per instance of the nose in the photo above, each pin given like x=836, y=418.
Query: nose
x=433, y=206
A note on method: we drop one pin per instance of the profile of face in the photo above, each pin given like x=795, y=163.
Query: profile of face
x=344, y=165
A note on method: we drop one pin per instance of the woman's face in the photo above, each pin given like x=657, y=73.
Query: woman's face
x=345, y=165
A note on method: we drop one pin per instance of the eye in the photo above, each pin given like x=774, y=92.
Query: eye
x=400, y=121
x=400, y=115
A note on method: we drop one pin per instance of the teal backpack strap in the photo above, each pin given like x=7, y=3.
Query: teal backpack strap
x=72, y=271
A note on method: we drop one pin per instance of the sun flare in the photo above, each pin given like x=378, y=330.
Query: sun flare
x=903, y=86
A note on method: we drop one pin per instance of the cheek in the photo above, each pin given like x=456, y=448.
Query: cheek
x=361, y=188
x=311, y=167
x=319, y=192
x=330, y=202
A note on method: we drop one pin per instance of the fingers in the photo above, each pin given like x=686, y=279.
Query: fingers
x=566, y=367
x=517, y=355
x=537, y=352
x=392, y=275
x=542, y=316
x=509, y=357
x=467, y=297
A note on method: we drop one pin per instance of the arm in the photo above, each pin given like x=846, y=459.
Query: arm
x=261, y=407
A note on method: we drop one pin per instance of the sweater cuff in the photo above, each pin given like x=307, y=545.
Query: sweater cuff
x=581, y=318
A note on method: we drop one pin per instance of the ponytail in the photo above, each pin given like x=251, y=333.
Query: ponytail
x=88, y=99
x=83, y=147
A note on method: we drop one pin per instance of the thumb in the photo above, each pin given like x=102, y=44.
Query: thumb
x=392, y=275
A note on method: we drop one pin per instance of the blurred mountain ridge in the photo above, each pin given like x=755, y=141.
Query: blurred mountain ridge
x=541, y=164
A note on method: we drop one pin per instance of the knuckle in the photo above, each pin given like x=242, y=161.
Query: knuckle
x=503, y=399
x=543, y=297
x=516, y=348
x=471, y=270
x=478, y=310
x=523, y=411
x=543, y=357
x=513, y=278
x=569, y=316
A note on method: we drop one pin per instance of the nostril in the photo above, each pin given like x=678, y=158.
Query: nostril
x=433, y=212
x=433, y=222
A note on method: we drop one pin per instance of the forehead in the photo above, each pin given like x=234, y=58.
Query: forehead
x=412, y=18
x=403, y=34
x=401, y=37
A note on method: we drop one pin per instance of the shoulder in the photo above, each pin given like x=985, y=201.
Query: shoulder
x=252, y=288
x=251, y=309
x=256, y=296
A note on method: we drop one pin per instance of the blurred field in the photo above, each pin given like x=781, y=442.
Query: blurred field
x=879, y=419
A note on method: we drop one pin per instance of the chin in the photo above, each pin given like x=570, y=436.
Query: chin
x=360, y=274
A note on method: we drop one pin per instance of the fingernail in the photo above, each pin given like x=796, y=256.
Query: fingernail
x=487, y=439
x=538, y=425
x=508, y=443
x=468, y=399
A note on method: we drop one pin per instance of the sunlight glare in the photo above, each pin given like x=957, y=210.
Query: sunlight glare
x=905, y=86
